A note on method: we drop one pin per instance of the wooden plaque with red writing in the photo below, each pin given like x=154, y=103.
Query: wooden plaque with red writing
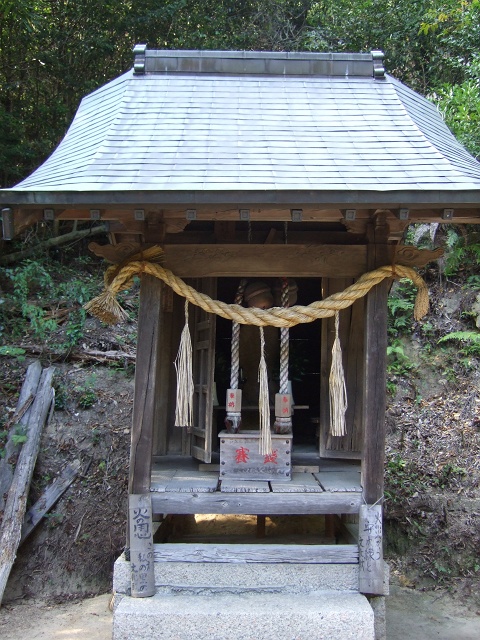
x=240, y=458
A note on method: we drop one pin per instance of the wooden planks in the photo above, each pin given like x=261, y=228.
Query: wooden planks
x=300, y=483
x=339, y=480
x=160, y=478
x=257, y=553
x=257, y=503
x=192, y=484
x=244, y=486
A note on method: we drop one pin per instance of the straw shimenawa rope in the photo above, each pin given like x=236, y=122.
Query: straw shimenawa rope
x=118, y=278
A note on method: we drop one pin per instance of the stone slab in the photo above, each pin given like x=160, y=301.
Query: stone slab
x=293, y=578
x=320, y=615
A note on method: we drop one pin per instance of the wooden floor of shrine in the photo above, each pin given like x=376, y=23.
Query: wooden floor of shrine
x=182, y=485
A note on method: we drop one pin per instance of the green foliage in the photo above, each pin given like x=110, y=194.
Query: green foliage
x=469, y=340
x=398, y=363
x=16, y=352
x=460, y=107
x=401, y=302
x=455, y=27
x=54, y=519
x=86, y=393
x=31, y=283
x=32, y=300
x=459, y=254
x=87, y=399
x=53, y=53
x=61, y=395
x=402, y=479
x=363, y=25
x=19, y=439
x=473, y=282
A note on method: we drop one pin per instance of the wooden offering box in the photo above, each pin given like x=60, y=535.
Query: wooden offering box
x=240, y=459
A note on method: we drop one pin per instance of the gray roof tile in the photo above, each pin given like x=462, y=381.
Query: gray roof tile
x=225, y=131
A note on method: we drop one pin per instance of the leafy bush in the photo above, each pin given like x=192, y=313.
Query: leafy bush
x=36, y=301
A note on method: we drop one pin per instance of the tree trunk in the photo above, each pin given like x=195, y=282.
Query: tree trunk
x=21, y=416
x=10, y=532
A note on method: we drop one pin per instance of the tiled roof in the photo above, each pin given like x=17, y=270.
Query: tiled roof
x=184, y=122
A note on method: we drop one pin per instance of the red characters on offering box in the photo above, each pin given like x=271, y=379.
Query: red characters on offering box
x=241, y=455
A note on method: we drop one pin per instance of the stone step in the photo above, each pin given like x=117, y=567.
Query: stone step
x=173, y=577
x=317, y=615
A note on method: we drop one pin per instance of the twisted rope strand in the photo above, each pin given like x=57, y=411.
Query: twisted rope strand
x=106, y=307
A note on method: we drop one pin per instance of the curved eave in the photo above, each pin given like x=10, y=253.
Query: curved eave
x=467, y=198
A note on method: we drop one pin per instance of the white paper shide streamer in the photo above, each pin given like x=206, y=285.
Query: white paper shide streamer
x=265, y=442
x=338, y=390
x=185, y=388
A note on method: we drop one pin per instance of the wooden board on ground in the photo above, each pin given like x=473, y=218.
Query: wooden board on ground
x=257, y=553
x=340, y=481
x=300, y=483
x=244, y=486
x=49, y=497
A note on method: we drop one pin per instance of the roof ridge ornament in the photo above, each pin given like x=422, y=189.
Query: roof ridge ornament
x=378, y=65
x=139, y=51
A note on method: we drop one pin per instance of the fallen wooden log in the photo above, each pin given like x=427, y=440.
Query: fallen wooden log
x=49, y=497
x=22, y=413
x=11, y=529
x=82, y=356
x=9, y=258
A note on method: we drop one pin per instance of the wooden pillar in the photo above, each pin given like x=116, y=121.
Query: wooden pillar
x=374, y=406
x=140, y=535
x=146, y=382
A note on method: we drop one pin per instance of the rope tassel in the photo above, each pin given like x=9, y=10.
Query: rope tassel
x=185, y=387
x=338, y=390
x=265, y=442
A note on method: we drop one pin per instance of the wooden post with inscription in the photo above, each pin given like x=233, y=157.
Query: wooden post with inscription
x=140, y=544
x=371, y=575
x=370, y=552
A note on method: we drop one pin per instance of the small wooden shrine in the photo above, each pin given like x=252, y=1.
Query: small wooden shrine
x=269, y=183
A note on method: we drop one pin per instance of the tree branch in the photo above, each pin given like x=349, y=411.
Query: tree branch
x=10, y=258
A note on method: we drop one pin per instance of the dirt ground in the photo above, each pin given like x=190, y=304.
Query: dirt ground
x=410, y=615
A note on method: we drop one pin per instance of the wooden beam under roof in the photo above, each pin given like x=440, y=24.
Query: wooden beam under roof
x=137, y=220
x=268, y=260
